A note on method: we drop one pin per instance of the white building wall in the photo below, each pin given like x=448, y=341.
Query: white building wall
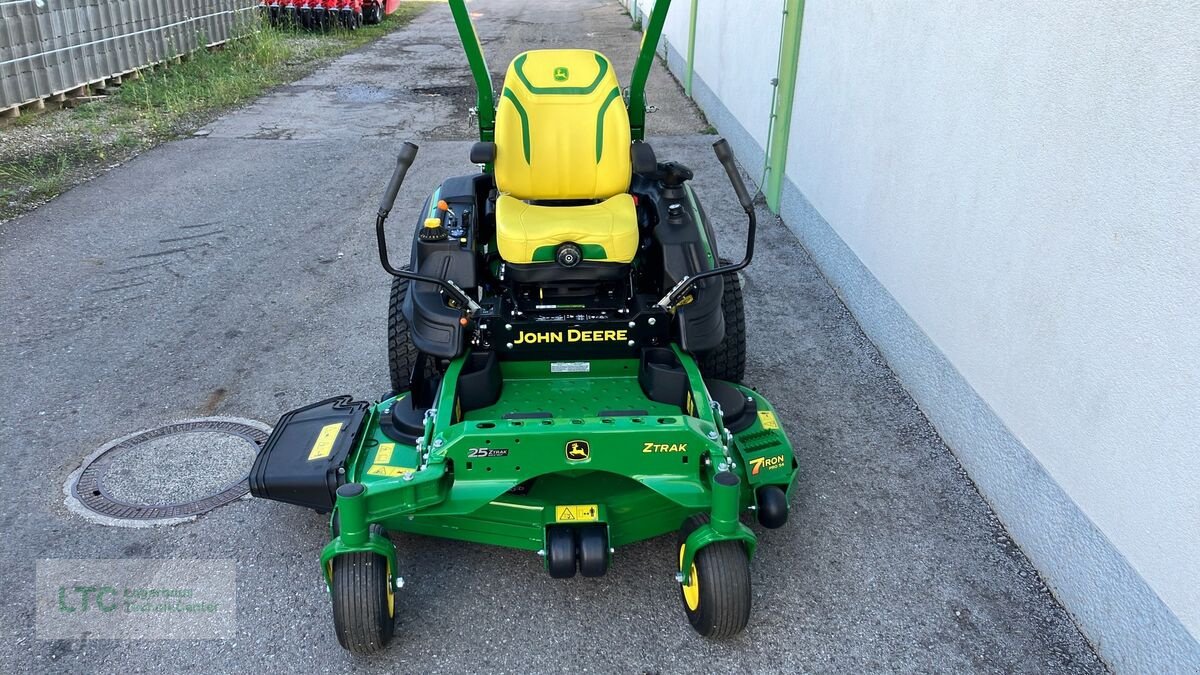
x=1017, y=185
x=737, y=48
x=1024, y=179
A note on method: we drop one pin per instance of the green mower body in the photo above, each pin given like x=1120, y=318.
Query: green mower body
x=499, y=475
x=566, y=368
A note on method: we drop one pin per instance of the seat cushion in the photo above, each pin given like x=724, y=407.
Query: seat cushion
x=562, y=130
x=605, y=232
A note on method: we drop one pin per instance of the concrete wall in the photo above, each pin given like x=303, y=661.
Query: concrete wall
x=1007, y=196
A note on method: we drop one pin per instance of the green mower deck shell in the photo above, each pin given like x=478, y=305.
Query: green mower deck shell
x=642, y=475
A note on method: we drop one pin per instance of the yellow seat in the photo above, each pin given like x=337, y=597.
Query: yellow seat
x=562, y=134
x=530, y=234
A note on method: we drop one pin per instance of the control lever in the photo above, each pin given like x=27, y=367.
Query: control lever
x=725, y=157
x=408, y=153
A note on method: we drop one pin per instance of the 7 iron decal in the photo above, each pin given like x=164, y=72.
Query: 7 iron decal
x=769, y=463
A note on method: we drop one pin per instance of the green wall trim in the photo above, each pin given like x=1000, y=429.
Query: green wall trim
x=789, y=58
x=691, y=52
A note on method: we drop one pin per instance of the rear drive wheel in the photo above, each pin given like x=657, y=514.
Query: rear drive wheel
x=716, y=598
x=402, y=353
x=364, y=604
x=728, y=360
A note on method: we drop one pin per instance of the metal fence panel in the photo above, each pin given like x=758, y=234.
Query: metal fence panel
x=50, y=47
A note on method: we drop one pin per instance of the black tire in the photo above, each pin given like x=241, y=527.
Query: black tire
x=772, y=506
x=728, y=360
x=593, y=551
x=722, y=572
x=402, y=353
x=363, y=617
x=560, y=552
x=374, y=15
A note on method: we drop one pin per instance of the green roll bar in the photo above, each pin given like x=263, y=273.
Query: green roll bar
x=485, y=95
x=641, y=69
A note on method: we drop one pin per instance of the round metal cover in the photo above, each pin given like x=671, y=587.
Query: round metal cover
x=167, y=474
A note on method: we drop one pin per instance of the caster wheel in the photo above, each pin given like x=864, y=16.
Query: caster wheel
x=772, y=506
x=364, y=603
x=560, y=552
x=335, y=525
x=717, y=597
x=593, y=551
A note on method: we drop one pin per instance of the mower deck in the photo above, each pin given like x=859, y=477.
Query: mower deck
x=558, y=448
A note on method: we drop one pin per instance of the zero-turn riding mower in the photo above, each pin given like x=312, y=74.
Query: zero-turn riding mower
x=566, y=347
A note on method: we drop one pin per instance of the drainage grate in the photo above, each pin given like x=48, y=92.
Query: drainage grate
x=139, y=468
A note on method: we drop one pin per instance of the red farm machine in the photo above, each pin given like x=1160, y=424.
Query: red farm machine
x=327, y=14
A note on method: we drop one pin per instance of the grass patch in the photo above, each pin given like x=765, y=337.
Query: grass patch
x=41, y=155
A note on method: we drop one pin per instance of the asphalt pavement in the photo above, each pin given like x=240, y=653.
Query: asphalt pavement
x=234, y=274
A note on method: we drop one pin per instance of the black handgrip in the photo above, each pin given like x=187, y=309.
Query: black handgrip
x=725, y=157
x=408, y=153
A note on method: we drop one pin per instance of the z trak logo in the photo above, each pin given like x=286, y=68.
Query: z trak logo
x=578, y=451
x=768, y=463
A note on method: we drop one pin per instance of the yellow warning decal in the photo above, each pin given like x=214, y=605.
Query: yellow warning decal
x=384, y=455
x=325, y=439
x=388, y=471
x=577, y=513
x=768, y=420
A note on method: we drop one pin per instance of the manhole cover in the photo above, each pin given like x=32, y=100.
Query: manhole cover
x=167, y=474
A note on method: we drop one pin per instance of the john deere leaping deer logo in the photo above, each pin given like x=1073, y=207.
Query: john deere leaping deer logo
x=578, y=450
x=561, y=74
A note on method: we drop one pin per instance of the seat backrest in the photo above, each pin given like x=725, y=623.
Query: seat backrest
x=562, y=131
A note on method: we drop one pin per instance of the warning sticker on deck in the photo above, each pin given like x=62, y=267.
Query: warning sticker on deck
x=768, y=420
x=325, y=439
x=388, y=471
x=577, y=513
x=384, y=455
